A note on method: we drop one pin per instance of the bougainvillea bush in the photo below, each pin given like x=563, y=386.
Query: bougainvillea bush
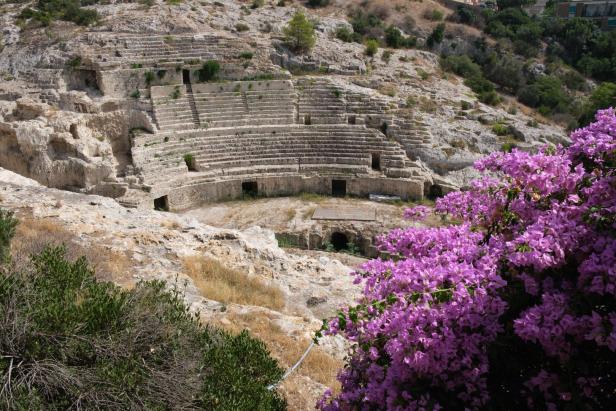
x=512, y=306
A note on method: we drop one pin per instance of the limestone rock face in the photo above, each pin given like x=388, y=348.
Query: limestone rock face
x=63, y=149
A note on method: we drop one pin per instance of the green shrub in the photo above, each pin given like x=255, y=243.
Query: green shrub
x=506, y=71
x=7, y=231
x=546, y=93
x=257, y=3
x=345, y=34
x=372, y=46
x=189, y=159
x=281, y=3
x=465, y=105
x=365, y=23
x=500, y=129
x=135, y=94
x=461, y=65
x=386, y=55
x=176, y=93
x=241, y=27
x=246, y=55
x=299, y=33
x=209, y=71
x=68, y=10
x=434, y=15
x=436, y=36
x=508, y=146
x=423, y=74
x=149, y=77
x=74, y=62
x=395, y=39
x=489, y=97
x=68, y=338
x=602, y=97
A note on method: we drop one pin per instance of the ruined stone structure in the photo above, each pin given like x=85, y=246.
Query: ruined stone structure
x=255, y=130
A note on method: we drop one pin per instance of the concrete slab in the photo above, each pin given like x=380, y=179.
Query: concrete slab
x=345, y=213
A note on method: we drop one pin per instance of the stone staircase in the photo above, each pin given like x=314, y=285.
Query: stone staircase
x=411, y=132
x=320, y=102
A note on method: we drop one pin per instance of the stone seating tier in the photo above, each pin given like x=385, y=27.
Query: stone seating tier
x=305, y=147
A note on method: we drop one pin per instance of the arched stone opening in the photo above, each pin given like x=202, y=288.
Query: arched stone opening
x=339, y=241
x=376, y=161
x=250, y=188
x=161, y=203
x=436, y=191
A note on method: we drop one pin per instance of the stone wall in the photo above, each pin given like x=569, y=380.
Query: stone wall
x=195, y=195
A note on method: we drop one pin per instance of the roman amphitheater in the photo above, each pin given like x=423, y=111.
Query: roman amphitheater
x=258, y=132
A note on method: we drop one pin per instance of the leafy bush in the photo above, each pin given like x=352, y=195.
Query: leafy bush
x=299, y=33
x=241, y=27
x=461, y=65
x=74, y=62
x=68, y=10
x=209, y=71
x=246, y=55
x=395, y=39
x=176, y=93
x=507, y=71
x=546, y=92
x=345, y=34
x=136, y=94
x=513, y=308
x=149, y=77
x=7, y=231
x=386, y=56
x=602, y=97
x=500, y=129
x=372, y=46
x=436, y=36
x=68, y=339
x=479, y=84
x=466, y=15
x=434, y=15
x=366, y=24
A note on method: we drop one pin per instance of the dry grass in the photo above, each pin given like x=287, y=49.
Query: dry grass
x=290, y=214
x=315, y=198
x=222, y=284
x=170, y=224
x=318, y=365
x=388, y=89
x=33, y=234
x=308, y=213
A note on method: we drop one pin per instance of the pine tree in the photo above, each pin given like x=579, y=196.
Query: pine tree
x=299, y=33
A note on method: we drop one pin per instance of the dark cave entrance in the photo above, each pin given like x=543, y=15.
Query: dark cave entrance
x=338, y=188
x=83, y=80
x=186, y=76
x=436, y=191
x=250, y=189
x=376, y=161
x=161, y=203
x=339, y=241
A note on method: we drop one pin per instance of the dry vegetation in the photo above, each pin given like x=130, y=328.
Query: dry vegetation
x=408, y=15
x=219, y=283
x=33, y=234
x=318, y=365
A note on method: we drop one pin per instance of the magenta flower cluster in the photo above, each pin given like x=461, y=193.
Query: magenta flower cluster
x=512, y=307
